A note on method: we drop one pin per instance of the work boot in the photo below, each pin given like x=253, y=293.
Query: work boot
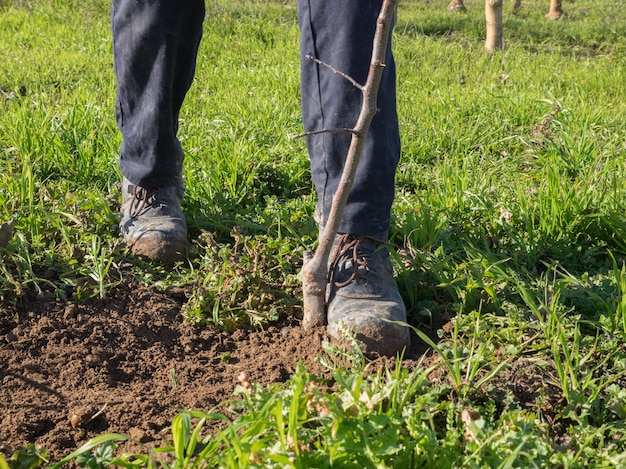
x=152, y=222
x=363, y=296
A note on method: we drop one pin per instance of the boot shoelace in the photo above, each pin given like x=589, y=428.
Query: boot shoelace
x=346, y=243
x=142, y=198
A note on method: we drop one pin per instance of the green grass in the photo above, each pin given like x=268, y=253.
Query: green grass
x=509, y=220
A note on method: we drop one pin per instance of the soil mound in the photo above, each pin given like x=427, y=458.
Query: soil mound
x=127, y=364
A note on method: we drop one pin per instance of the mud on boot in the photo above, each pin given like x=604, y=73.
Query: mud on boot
x=152, y=222
x=363, y=297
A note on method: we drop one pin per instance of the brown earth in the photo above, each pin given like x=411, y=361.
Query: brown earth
x=127, y=364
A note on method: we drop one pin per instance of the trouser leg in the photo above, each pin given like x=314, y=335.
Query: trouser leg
x=340, y=33
x=155, y=44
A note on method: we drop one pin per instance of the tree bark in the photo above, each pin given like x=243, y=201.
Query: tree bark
x=493, y=17
x=556, y=10
x=516, y=4
x=315, y=267
x=457, y=6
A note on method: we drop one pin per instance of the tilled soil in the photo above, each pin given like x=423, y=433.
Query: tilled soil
x=130, y=361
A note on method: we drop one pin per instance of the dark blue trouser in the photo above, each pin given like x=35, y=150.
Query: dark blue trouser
x=340, y=33
x=155, y=44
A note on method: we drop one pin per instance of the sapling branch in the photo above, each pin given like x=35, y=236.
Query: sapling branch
x=325, y=131
x=315, y=267
x=334, y=70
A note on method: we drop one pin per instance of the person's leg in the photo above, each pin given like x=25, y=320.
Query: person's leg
x=341, y=34
x=362, y=293
x=155, y=44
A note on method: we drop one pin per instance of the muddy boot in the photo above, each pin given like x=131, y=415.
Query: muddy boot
x=152, y=222
x=363, y=296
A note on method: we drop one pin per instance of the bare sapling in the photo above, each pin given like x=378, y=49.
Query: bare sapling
x=457, y=6
x=315, y=267
x=493, y=18
x=556, y=10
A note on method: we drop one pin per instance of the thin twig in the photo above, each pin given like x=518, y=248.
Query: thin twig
x=334, y=70
x=94, y=416
x=324, y=131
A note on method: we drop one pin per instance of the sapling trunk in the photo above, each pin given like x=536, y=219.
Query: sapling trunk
x=493, y=18
x=315, y=268
x=456, y=6
x=556, y=10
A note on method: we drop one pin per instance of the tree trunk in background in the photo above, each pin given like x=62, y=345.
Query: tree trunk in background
x=516, y=4
x=556, y=10
x=493, y=17
x=457, y=6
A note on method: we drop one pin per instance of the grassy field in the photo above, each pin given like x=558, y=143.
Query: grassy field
x=509, y=221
